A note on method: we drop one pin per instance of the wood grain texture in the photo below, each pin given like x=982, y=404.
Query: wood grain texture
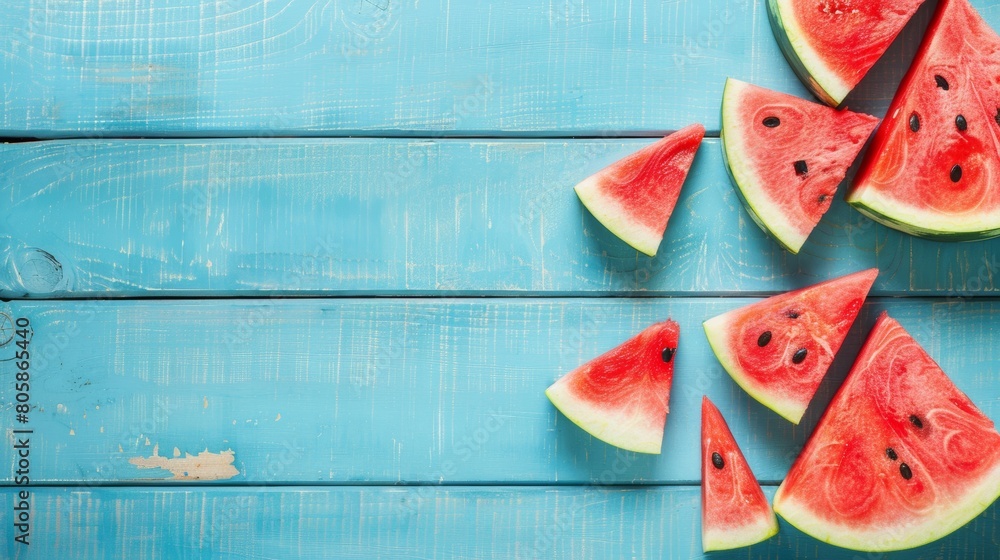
x=377, y=217
x=370, y=427
x=252, y=67
x=408, y=522
x=398, y=391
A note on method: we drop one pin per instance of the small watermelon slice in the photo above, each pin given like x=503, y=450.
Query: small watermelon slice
x=933, y=169
x=622, y=396
x=635, y=196
x=832, y=44
x=779, y=349
x=734, y=510
x=900, y=458
x=787, y=156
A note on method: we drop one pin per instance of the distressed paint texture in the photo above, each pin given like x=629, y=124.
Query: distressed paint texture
x=343, y=402
x=382, y=391
x=417, y=522
x=251, y=67
x=204, y=466
x=392, y=217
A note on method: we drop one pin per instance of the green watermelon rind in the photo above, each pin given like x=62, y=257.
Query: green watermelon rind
x=717, y=332
x=883, y=213
x=753, y=199
x=805, y=62
x=618, y=221
x=982, y=497
x=620, y=431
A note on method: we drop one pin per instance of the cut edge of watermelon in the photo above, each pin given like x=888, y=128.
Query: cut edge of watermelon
x=613, y=216
x=624, y=431
x=728, y=539
x=879, y=540
x=716, y=330
x=932, y=225
x=765, y=214
x=803, y=58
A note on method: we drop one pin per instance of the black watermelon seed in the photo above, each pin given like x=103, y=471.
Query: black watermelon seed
x=792, y=314
x=997, y=117
x=891, y=453
x=800, y=356
x=941, y=82
x=823, y=197
x=960, y=123
x=801, y=168
x=717, y=460
x=904, y=470
x=915, y=122
x=916, y=421
x=764, y=338
x=668, y=354
x=772, y=122
x=956, y=174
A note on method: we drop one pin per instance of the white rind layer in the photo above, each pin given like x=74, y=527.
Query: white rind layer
x=945, y=520
x=718, y=331
x=922, y=223
x=828, y=86
x=627, y=431
x=614, y=217
x=738, y=537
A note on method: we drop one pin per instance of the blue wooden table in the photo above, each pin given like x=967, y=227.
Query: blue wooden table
x=298, y=273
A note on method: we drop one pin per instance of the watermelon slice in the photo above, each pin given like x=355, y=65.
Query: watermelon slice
x=780, y=348
x=900, y=458
x=621, y=397
x=787, y=156
x=934, y=166
x=734, y=510
x=635, y=196
x=832, y=44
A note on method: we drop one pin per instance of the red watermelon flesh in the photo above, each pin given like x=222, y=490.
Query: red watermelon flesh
x=635, y=196
x=933, y=169
x=900, y=458
x=779, y=349
x=734, y=510
x=622, y=396
x=787, y=156
x=832, y=44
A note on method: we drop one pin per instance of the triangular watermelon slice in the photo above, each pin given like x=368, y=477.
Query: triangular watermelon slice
x=832, y=44
x=900, y=458
x=787, y=156
x=622, y=396
x=734, y=510
x=635, y=196
x=933, y=169
x=780, y=348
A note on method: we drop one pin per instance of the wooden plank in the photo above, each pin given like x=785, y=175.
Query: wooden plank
x=408, y=522
x=396, y=391
x=252, y=67
x=375, y=217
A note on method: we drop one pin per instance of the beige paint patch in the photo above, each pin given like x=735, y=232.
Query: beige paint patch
x=203, y=466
